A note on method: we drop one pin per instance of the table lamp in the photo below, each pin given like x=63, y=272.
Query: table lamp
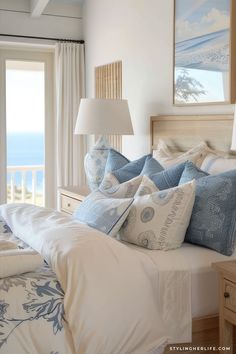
x=101, y=117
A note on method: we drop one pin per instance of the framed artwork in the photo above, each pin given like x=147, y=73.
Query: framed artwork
x=204, y=52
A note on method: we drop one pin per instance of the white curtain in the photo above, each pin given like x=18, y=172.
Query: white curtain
x=70, y=83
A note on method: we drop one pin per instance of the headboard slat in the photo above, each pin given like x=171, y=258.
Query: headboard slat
x=184, y=132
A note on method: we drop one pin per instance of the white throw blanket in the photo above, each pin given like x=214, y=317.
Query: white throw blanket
x=15, y=260
x=113, y=294
x=18, y=261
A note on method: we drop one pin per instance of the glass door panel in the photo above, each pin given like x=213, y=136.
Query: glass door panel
x=25, y=117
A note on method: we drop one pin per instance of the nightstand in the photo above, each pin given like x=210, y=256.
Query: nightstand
x=71, y=198
x=227, y=306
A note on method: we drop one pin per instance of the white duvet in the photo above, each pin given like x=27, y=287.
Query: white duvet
x=113, y=294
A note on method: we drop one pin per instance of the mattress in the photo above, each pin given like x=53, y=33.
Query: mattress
x=204, y=281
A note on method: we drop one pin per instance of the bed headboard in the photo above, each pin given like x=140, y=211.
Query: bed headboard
x=183, y=132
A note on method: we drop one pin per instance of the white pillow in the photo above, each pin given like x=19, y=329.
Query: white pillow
x=136, y=186
x=112, y=188
x=167, y=158
x=147, y=186
x=214, y=164
x=160, y=220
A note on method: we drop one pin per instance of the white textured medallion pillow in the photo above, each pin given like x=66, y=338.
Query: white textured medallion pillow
x=168, y=158
x=147, y=186
x=160, y=220
x=112, y=188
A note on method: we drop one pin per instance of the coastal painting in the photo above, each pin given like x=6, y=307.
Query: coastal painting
x=202, y=51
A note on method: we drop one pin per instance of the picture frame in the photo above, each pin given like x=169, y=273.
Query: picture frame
x=204, y=67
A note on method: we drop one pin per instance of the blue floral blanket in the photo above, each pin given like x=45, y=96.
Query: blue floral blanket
x=31, y=311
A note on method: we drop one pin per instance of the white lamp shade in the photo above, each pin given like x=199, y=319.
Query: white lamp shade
x=233, y=143
x=104, y=117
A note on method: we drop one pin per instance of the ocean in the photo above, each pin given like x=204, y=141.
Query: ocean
x=26, y=149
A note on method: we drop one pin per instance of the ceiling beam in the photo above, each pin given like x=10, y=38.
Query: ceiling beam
x=37, y=7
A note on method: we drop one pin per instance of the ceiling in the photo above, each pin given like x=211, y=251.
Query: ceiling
x=38, y=6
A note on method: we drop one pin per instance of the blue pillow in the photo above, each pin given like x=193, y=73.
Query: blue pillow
x=168, y=178
x=151, y=166
x=191, y=172
x=115, y=160
x=213, y=221
x=102, y=213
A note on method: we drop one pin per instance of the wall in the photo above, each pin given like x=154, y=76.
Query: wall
x=140, y=33
x=58, y=20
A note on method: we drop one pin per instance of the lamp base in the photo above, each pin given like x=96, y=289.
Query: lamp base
x=95, y=162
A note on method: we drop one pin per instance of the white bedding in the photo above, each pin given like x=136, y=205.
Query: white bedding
x=117, y=300
x=204, y=281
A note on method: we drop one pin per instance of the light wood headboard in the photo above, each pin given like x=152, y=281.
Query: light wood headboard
x=183, y=132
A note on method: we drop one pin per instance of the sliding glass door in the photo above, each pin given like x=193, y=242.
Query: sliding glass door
x=27, y=149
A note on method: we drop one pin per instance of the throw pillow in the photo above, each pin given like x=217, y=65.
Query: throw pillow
x=214, y=164
x=102, y=213
x=168, y=158
x=159, y=220
x=168, y=178
x=213, y=221
x=191, y=172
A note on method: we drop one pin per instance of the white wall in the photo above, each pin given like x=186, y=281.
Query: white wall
x=58, y=20
x=140, y=33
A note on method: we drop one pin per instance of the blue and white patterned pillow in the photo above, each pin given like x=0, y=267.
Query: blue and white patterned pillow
x=213, y=221
x=112, y=188
x=159, y=220
x=103, y=213
x=95, y=163
x=168, y=178
x=136, y=186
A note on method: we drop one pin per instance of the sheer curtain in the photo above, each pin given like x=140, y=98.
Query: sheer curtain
x=70, y=87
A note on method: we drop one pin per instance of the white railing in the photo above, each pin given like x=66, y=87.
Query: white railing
x=23, y=170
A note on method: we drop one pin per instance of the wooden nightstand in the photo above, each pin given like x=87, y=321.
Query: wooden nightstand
x=227, y=306
x=71, y=197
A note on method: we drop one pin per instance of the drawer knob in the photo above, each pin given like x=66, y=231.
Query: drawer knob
x=226, y=294
x=68, y=204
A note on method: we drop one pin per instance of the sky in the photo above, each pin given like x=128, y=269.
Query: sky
x=196, y=18
x=25, y=100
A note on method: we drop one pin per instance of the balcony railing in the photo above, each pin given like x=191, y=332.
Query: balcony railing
x=25, y=188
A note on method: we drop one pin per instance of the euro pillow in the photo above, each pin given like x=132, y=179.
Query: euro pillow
x=213, y=221
x=115, y=161
x=167, y=158
x=102, y=213
x=191, y=172
x=124, y=170
x=159, y=220
x=214, y=164
x=168, y=178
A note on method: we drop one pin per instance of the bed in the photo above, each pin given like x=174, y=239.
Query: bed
x=94, y=274
x=182, y=133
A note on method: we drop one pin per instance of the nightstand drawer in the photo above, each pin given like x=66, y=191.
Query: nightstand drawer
x=230, y=295
x=69, y=204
